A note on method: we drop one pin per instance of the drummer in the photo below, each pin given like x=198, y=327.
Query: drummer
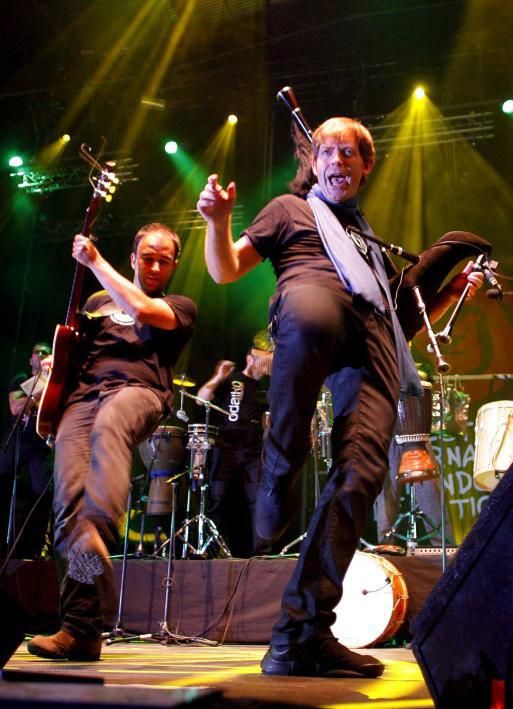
x=235, y=469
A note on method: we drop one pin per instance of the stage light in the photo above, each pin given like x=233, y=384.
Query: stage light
x=15, y=161
x=171, y=147
x=507, y=106
x=419, y=93
x=65, y=137
x=232, y=119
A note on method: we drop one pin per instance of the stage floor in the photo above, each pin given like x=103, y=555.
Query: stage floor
x=155, y=675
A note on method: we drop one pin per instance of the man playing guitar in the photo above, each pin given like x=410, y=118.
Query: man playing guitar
x=132, y=335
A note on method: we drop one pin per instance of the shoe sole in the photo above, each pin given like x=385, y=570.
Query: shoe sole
x=291, y=669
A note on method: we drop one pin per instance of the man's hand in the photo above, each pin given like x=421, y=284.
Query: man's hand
x=456, y=285
x=215, y=203
x=84, y=251
x=225, y=368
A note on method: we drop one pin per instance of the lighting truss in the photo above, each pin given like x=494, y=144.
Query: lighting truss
x=473, y=127
x=183, y=221
x=37, y=180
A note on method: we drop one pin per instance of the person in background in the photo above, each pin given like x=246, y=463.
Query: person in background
x=24, y=456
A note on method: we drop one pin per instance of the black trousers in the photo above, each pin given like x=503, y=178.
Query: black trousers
x=321, y=334
x=234, y=477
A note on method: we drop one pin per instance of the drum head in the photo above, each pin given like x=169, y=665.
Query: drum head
x=164, y=449
x=372, y=605
x=493, y=443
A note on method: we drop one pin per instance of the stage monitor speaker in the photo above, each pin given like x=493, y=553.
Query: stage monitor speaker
x=13, y=621
x=463, y=636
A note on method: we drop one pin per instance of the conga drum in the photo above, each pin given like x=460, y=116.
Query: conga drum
x=162, y=453
x=413, y=430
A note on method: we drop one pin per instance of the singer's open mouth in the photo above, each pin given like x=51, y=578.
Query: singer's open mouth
x=339, y=179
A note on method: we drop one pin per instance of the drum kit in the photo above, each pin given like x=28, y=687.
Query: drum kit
x=163, y=455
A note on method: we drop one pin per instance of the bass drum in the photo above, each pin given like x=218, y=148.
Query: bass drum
x=374, y=602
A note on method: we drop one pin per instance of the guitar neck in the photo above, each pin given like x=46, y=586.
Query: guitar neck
x=75, y=297
x=78, y=278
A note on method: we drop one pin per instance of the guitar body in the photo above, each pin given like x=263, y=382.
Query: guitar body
x=66, y=343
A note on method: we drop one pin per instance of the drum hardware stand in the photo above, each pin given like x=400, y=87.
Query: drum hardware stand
x=199, y=448
x=412, y=517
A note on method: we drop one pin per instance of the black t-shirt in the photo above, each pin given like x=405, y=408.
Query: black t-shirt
x=28, y=424
x=286, y=233
x=119, y=351
x=238, y=395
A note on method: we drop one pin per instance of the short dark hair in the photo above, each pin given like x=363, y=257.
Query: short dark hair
x=42, y=347
x=157, y=226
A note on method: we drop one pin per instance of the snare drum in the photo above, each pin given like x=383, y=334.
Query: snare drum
x=200, y=438
x=493, y=443
x=413, y=430
x=374, y=602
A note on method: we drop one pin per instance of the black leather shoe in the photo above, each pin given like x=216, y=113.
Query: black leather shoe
x=65, y=646
x=325, y=658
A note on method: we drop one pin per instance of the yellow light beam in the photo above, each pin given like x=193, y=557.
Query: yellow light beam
x=105, y=67
x=136, y=124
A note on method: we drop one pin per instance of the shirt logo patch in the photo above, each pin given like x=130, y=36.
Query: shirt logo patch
x=358, y=241
x=121, y=318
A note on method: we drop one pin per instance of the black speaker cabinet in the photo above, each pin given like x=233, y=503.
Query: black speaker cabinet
x=464, y=633
x=13, y=621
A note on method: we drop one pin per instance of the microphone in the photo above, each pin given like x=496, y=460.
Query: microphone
x=406, y=255
x=495, y=291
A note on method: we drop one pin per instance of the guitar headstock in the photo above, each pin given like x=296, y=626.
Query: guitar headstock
x=104, y=183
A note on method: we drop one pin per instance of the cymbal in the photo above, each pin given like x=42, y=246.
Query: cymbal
x=184, y=381
x=262, y=341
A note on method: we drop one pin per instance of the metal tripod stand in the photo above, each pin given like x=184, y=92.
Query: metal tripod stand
x=413, y=516
x=201, y=440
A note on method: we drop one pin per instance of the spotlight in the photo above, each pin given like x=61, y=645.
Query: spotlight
x=507, y=106
x=15, y=161
x=171, y=147
x=232, y=119
x=65, y=137
x=419, y=93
